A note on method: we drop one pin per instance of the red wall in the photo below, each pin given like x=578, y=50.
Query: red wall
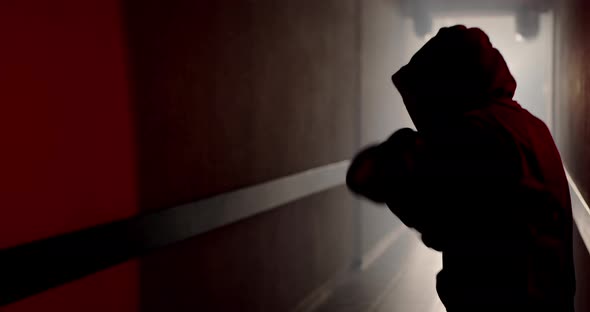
x=226, y=94
x=67, y=157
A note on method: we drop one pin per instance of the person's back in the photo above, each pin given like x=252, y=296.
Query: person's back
x=515, y=253
x=485, y=184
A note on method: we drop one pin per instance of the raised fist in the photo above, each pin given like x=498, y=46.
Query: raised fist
x=377, y=170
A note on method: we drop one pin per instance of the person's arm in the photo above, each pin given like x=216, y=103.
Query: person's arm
x=375, y=168
x=452, y=175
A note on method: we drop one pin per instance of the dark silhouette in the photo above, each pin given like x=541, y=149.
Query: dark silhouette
x=481, y=180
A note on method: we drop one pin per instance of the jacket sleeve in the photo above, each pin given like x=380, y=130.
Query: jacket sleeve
x=452, y=174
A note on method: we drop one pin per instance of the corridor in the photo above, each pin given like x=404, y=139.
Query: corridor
x=178, y=155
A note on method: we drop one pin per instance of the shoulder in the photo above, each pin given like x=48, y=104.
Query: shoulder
x=482, y=128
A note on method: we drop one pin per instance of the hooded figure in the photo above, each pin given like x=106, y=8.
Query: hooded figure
x=481, y=180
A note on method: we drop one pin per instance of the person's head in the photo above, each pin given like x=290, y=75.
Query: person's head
x=456, y=71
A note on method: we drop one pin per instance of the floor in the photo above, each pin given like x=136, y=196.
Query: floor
x=401, y=279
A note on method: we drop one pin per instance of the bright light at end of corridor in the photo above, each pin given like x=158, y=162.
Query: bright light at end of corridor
x=519, y=38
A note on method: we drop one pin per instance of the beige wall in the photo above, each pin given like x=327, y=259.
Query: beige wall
x=383, y=38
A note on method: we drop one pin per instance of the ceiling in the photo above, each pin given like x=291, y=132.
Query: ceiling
x=527, y=12
x=480, y=7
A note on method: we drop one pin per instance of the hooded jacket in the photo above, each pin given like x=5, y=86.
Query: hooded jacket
x=487, y=187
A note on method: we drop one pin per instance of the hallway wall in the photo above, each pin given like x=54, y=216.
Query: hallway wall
x=383, y=41
x=572, y=108
x=572, y=84
x=231, y=94
x=222, y=95
x=236, y=93
x=67, y=159
x=144, y=105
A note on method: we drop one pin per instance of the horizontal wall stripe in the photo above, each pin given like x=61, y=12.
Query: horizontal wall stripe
x=580, y=211
x=34, y=267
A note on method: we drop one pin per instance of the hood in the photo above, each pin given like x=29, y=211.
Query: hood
x=457, y=71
